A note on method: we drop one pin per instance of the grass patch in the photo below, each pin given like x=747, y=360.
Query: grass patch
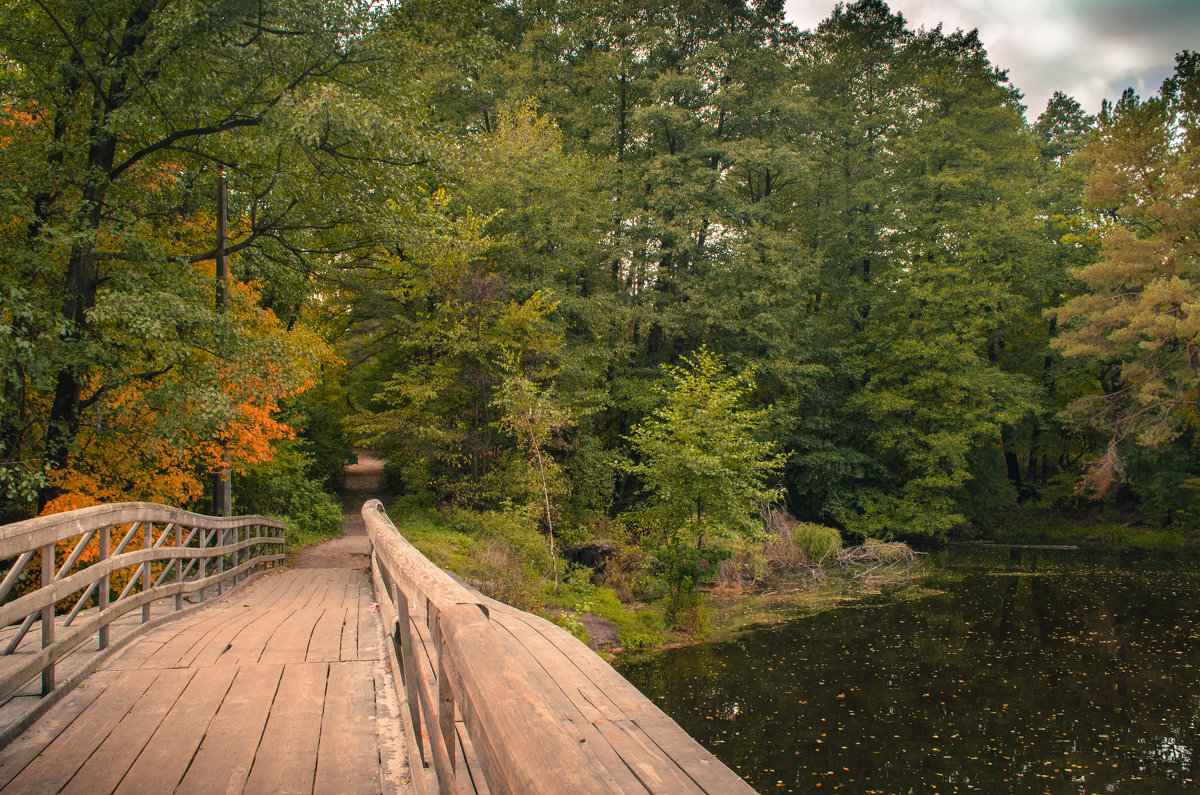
x=475, y=555
x=638, y=627
x=426, y=530
x=733, y=614
x=300, y=538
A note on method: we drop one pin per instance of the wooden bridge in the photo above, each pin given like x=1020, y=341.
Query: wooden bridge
x=174, y=654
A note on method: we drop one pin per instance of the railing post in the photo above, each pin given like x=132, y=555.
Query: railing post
x=105, y=583
x=179, y=567
x=446, y=714
x=48, y=618
x=404, y=643
x=148, y=531
x=202, y=562
x=220, y=562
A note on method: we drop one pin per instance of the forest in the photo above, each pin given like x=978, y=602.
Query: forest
x=626, y=270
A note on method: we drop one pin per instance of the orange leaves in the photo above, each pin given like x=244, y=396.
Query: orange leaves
x=158, y=437
x=17, y=124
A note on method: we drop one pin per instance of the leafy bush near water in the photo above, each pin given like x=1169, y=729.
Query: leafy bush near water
x=816, y=541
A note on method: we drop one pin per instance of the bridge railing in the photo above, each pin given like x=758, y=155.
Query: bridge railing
x=77, y=572
x=502, y=701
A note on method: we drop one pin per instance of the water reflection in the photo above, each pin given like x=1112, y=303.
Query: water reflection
x=1002, y=670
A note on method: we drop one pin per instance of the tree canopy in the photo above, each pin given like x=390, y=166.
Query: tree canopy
x=449, y=223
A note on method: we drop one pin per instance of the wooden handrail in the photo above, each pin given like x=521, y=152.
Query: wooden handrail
x=191, y=549
x=502, y=701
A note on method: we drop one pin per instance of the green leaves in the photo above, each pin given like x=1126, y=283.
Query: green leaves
x=702, y=468
x=1140, y=312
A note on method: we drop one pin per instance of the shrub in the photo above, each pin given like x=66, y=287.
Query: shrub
x=816, y=541
x=689, y=613
x=282, y=487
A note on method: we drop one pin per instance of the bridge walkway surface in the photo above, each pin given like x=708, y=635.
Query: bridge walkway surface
x=280, y=686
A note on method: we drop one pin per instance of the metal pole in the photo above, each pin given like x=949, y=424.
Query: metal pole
x=222, y=488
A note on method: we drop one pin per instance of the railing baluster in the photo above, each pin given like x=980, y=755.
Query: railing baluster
x=16, y=641
x=220, y=562
x=80, y=603
x=408, y=660
x=14, y=573
x=65, y=569
x=129, y=586
x=48, y=618
x=446, y=710
x=133, y=528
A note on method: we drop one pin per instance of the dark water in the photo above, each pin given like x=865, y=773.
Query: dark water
x=1000, y=671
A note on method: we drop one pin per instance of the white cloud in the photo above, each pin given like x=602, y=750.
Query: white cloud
x=1089, y=49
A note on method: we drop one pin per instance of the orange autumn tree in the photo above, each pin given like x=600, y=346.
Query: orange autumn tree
x=158, y=439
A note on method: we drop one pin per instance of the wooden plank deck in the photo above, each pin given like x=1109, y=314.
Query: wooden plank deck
x=279, y=686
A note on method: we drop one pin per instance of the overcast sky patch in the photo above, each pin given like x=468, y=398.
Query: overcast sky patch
x=1090, y=49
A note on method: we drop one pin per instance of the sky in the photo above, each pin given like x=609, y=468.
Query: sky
x=1089, y=49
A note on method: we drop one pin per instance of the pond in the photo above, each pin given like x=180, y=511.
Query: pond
x=999, y=670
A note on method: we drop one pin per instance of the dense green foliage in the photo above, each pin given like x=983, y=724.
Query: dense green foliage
x=621, y=270
x=859, y=215
x=122, y=378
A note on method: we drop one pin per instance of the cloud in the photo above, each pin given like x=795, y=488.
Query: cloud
x=1089, y=49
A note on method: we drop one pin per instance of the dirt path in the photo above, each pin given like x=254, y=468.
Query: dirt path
x=364, y=481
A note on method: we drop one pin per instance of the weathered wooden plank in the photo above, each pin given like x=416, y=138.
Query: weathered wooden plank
x=700, y=764
x=184, y=644
x=501, y=697
x=243, y=642
x=325, y=644
x=350, y=629
x=368, y=633
x=652, y=766
x=161, y=764
x=471, y=769
x=419, y=776
x=348, y=754
x=115, y=752
x=58, y=761
x=223, y=761
x=393, y=752
x=290, y=639
x=21, y=751
x=656, y=771
x=287, y=757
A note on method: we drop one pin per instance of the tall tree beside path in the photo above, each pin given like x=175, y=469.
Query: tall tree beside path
x=117, y=116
